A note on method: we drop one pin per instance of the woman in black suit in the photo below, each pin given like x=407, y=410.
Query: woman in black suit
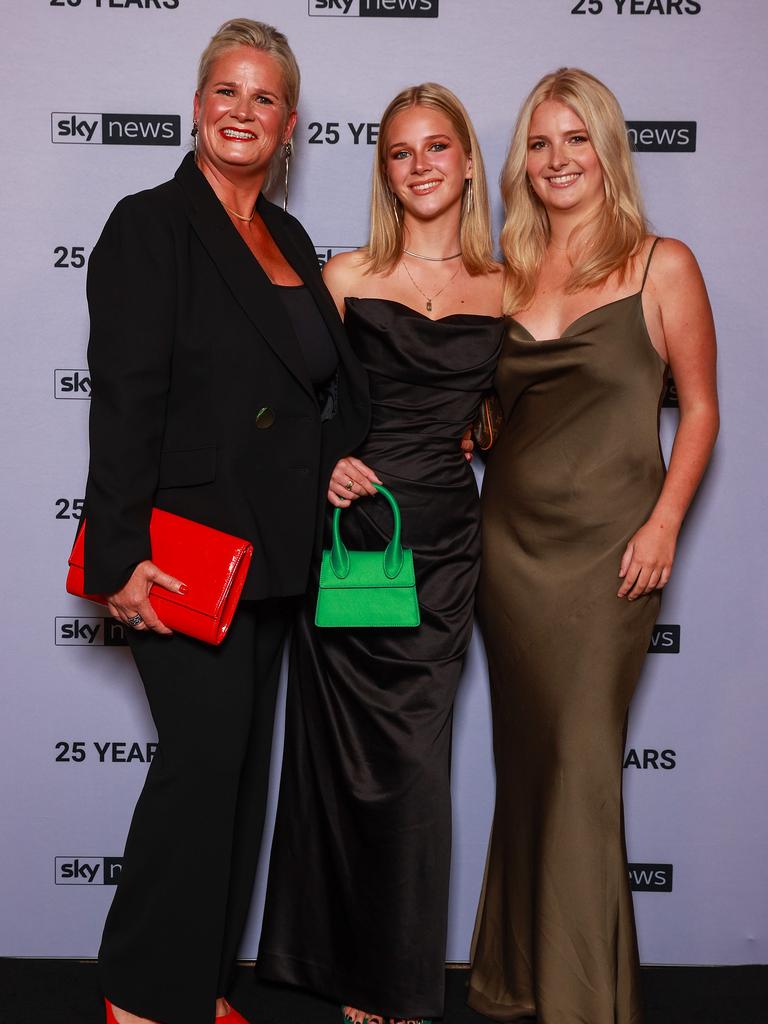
x=223, y=391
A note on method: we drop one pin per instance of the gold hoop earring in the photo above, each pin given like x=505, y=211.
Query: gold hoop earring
x=287, y=154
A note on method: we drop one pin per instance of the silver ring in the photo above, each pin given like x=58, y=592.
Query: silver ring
x=135, y=620
x=349, y=485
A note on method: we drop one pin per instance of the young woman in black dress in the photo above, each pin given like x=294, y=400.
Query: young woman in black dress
x=358, y=888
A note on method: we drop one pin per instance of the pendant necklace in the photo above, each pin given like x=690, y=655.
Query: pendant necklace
x=429, y=298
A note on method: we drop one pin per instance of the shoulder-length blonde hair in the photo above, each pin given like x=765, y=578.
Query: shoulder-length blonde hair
x=607, y=240
x=385, y=244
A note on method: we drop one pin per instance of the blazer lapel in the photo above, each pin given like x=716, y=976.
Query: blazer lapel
x=237, y=265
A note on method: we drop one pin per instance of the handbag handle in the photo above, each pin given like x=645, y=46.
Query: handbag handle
x=393, y=555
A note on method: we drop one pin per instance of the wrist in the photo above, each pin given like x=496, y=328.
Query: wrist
x=666, y=519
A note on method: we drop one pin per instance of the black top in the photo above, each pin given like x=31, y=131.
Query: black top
x=314, y=338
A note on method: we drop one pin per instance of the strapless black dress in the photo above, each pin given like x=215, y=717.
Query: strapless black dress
x=358, y=885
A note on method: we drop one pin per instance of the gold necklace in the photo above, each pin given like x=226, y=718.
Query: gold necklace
x=432, y=259
x=428, y=297
x=239, y=215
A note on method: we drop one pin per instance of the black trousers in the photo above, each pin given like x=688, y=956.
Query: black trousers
x=173, y=931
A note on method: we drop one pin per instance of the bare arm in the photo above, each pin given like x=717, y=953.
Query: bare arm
x=351, y=478
x=689, y=337
x=342, y=276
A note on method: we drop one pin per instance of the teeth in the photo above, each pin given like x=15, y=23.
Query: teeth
x=233, y=133
x=563, y=179
x=426, y=187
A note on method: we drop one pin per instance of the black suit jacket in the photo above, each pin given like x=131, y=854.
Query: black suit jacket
x=188, y=342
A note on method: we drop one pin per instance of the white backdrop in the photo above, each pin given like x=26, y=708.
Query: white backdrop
x=75, y=736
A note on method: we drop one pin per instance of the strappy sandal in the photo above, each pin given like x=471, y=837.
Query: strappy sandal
x=367, y=1019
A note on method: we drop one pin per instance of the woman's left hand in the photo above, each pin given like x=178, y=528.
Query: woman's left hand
x=467, y=444
x=647, y=561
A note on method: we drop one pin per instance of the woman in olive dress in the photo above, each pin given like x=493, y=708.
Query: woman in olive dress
x=580, y=522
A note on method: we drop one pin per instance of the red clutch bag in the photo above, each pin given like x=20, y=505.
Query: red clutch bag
x=211, y=563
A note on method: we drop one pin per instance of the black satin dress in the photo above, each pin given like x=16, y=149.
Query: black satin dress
x=358, y=885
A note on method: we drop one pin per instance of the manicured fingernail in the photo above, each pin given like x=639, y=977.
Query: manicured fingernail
x=183, y=588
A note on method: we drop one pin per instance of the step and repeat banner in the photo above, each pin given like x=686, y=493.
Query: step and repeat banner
x=98, y=104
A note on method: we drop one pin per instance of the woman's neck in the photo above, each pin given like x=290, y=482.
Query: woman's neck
x=236, y=191
x=435, y=238
x=562, y=224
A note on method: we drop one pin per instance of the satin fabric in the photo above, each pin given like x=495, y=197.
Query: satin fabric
x=358, y=886
x=576, y=472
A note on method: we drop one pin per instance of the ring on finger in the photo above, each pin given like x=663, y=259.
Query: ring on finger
x=134, y=620
x=349, y=485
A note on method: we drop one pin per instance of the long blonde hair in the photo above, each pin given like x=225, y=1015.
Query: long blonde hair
x=607, y=240
x=385, y=244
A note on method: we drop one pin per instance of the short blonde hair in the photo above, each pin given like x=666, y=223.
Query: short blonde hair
x=385, y=244
x=607, y=240
x=262, y=37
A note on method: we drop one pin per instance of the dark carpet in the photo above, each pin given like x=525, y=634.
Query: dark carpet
x=67, y=992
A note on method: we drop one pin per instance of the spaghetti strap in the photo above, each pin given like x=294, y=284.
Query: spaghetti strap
x=648, y=262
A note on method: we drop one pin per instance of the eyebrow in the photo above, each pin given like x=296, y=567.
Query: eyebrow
x=231, y=85
x=570, y=131
x=427, y=138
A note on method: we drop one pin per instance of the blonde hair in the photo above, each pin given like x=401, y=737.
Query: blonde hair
x=385, y=244
x=262, y=37
x=607, y=240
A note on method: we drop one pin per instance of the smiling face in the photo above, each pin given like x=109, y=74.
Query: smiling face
x=425, y=164
x=562, y=165
x=242, y=113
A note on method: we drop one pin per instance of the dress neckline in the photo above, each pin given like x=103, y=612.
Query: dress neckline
x=573, y=323
x=417, y=312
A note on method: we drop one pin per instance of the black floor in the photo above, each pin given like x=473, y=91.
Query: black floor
x=67, y=992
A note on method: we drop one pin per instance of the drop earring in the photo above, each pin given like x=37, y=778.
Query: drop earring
x=469, y=199
x=395, y=208
x=287, y=154
x=194, y=134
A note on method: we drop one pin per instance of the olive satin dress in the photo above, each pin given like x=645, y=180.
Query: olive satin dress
x=576, y=471
x=357, y=897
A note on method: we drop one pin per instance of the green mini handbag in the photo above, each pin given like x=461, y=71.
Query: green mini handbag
x=367, y=588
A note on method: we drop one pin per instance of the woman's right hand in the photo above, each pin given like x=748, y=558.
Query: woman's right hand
x=133, y=599
x=351, y=479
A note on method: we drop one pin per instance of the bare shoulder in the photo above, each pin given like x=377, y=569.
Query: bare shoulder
x=488, y=288
x=673, y=263
x=344, y=271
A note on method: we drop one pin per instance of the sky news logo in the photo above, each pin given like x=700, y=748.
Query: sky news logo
x=662, y=136
x=89, y=631
x=650, y=877
x=72, y=384
x=326, y=252
x=664, y=640
x=116, y=129
x=374, y=8
x=88, y=870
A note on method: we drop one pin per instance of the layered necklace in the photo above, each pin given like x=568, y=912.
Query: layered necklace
x=433, y=259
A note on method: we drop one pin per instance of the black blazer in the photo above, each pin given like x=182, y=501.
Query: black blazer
x=188, y=343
